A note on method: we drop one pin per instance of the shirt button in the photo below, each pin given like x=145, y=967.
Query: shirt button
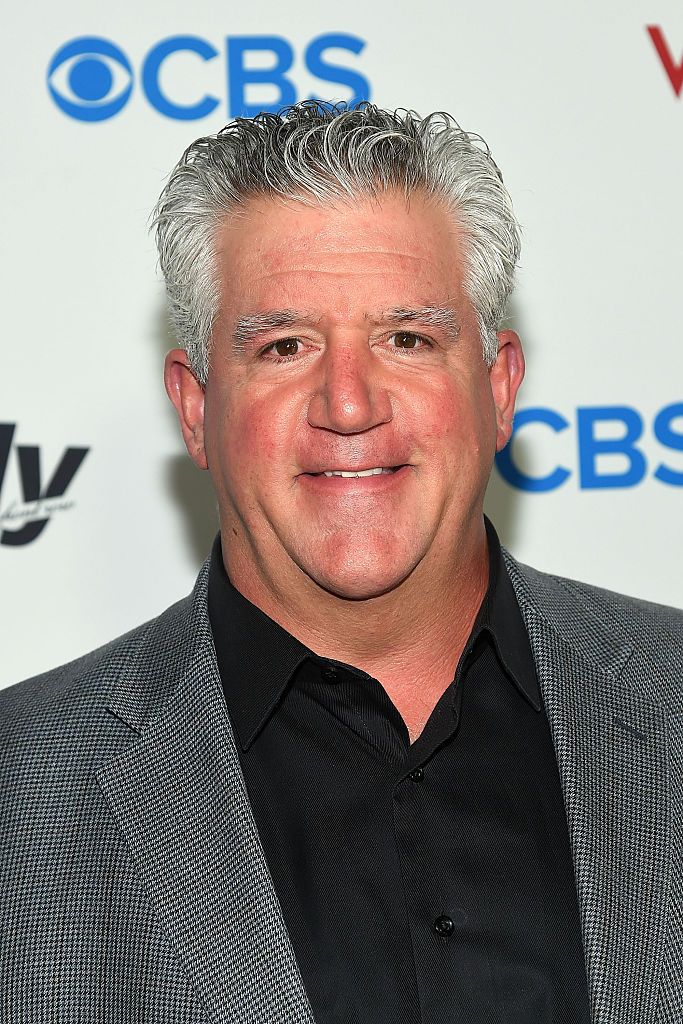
x=416, y=775
x=443, y=926
x=329, y=674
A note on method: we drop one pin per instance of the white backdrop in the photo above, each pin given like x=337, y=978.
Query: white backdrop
x=584, y=114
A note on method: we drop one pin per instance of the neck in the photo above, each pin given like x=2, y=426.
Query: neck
x=410, y=638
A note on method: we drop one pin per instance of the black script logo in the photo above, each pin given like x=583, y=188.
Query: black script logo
x=25, y=519
x=672, y=69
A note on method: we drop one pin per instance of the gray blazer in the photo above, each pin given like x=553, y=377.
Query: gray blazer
x=134, y=886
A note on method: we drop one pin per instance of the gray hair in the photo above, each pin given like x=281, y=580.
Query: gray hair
x=317, y=152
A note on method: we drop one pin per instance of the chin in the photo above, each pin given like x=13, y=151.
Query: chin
x=358, y=575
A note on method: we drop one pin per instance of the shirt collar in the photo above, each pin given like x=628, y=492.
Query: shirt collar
x=257, y=657
x=500, y=616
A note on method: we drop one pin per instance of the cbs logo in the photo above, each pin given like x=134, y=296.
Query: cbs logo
x=608, y=448
x=91, y=79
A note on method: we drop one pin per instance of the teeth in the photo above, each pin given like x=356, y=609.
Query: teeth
x=364, y=472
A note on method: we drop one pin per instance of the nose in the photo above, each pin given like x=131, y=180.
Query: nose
x=350, y=394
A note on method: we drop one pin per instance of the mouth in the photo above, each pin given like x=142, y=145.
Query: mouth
x=357, y=473
x=375, y=482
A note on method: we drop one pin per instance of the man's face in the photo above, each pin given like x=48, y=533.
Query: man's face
x=346, y=342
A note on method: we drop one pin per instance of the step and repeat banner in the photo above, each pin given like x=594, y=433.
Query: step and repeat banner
x=103, y=519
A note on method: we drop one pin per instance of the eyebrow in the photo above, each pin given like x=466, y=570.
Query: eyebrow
x=442, y=317
x=249, y=327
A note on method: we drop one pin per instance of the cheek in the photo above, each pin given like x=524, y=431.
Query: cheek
x=253, y=437
x=456, y=415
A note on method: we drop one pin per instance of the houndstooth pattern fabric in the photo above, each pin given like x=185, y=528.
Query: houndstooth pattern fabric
x=134, y=887
x=611, y=673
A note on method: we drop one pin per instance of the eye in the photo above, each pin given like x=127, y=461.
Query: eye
x=283, y=350
x=408, y=340
x=90, y=79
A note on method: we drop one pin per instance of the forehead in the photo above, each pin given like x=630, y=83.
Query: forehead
x=350, y=253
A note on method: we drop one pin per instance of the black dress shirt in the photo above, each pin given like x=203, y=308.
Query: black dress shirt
x=429, y=883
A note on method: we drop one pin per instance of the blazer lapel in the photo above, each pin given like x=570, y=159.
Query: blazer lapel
x=179, y=798
x=611, y=748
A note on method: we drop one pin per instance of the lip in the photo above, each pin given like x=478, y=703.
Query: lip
x=331, y=485
x=353, y=469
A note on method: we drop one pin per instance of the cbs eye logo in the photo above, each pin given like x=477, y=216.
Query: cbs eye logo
x=90, y=79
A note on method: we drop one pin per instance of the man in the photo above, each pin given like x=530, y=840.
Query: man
x=372, y=769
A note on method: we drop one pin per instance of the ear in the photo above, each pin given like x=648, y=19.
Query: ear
x=506, y=375
x=187, y=395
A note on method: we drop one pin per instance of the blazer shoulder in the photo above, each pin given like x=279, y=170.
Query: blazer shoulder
x=595, y=620
x=621, y=607
x=61, y=693
x=647, y=615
